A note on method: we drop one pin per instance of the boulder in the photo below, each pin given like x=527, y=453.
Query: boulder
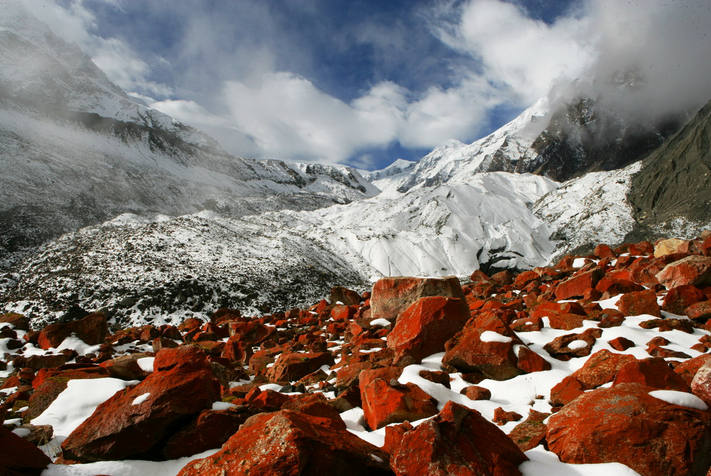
x=670, y=246
x=424, y=327
x=19, y=457
x=344, y=296
x=531, y=432
x=568, y=346
x=457, y=441
x=391, y=296
x=626, y=424
x=291, y=366
x=579, y=284
x=92, y=329
x=493, y=357
x=135, y=422
x=700, y=311
x=653, y=372
x=693, y=269
x=639, y=302
x=385, y=401
x=289, y=442
x=681, y=297
x=209, y=430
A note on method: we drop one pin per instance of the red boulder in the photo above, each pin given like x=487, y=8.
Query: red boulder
x=19, y=457
x=693, y=269
x=290, y=443
x=135, y=421
x=457, y=441
x=385, y=401
x=639, y=302
x=627, y=425
x=92, y=329
x=424, y=327
x=391, y=296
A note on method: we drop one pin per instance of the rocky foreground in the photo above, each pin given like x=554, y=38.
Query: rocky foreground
x=598, y=359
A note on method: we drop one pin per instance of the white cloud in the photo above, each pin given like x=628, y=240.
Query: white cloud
x=76, y=23
x=289, y=117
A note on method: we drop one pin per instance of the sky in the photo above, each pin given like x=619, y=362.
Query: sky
x=363, y=82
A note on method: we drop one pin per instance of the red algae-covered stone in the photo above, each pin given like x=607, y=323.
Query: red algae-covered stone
x=288, y=442
x=566, y=391
x=19, y=457
x=424, y=327
x=391, y=296
x=621, y=343
x=457, y=441
x=700, y=311
x=385, y=401
x=501, y=416
x=601, y=368
x=693, y=269
x=681, y=297
x=688, y=368
x=529, y=361
x=92, y=329
x=210, y=430
x=639, y=302
x=652, y=372
x=293, y=365
x=627, y=425
x=132, y=422
x=531, y=432
x=577, y=285
x=467, y=352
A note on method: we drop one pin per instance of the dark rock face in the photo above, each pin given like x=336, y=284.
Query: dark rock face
x=675, y=180
x=583, y=138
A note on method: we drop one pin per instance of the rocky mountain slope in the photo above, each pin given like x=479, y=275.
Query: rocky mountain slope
x=76, y=150
x=548, y=371
x=674, y=183
x=139, y=269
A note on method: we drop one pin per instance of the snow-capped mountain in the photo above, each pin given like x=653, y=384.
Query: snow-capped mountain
x=76, y=150
x=138, y=269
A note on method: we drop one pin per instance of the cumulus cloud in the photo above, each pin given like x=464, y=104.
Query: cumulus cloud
x=288, y=116
x=645, y=59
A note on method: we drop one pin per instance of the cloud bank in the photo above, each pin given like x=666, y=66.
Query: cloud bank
x=260, y=90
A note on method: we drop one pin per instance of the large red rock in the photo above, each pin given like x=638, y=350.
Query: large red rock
x=391, y=296
x=653, y=372
x=19, y=457
x=579, y=284
x=424, y=327
x=693, y=269
x=385, y=401
x=92, y=329
x=291, y=443
x=601, y=368
x=134, y=423
x=627, y=425
x=466, y=352
x=457, y=441
x=209, y=430
x=639, y=302
x=18, y=321
x=531, y=432
x=291, y=366
x=681, y=297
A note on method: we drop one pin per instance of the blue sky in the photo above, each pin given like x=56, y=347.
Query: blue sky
x=361, y=82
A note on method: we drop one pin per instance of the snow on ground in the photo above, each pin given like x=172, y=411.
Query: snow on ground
x=589, y=209
x=77, y=402
x=125, y=468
